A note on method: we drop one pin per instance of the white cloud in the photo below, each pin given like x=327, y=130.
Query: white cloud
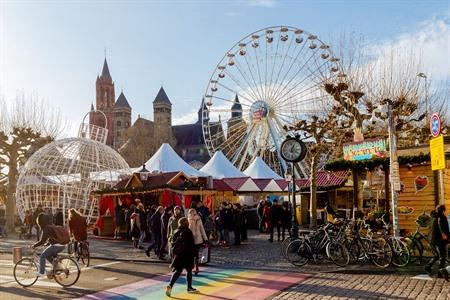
x=431, y=41
x=260, y=3
x=188, y=118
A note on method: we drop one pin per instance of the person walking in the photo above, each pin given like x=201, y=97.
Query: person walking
x=275, y=219
x=135, y=227
x=266, y=216
x=143, y=222
x=260, y=212
x=164, y=230
x=226, y=216
x=196, y=226
x=172, y=226
x=36, y=213
x=238, y=222
x=119, y=219
x=286, y=223
x=439, y=240
x=128, y=213
x=154, y=223
x=183, y=249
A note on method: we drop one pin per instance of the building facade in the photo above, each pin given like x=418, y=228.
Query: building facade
x=138, y=141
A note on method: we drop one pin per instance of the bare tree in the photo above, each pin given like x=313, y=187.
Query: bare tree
x=25, y=126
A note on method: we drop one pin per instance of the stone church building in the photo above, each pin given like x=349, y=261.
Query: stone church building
x=137, y=142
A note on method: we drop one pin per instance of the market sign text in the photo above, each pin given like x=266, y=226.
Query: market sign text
x=367, y=149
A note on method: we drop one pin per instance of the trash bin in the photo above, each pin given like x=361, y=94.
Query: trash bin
x=17, y=254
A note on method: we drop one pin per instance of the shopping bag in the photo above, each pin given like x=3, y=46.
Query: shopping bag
x=204, y=255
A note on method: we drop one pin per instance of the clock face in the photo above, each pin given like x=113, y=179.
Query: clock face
x=292, y=150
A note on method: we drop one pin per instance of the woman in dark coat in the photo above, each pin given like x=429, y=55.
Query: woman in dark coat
x=183, y=249
x=439, y=239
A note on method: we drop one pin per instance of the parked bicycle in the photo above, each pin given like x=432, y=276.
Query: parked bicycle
x=316, y=246
x=65, y=270
x=419, y=244
x=80, y=251
x=401, y=254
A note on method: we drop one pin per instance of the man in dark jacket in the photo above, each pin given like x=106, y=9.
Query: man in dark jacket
x=275, y=219
x=154, y=223
x=286, y=217
x=238, y=223
x=164, y=229
x=439, y=240
x=48, y=236
x=226, y=216
x=260, y=212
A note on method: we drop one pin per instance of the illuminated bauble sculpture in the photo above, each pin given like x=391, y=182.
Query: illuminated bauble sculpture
x=63, y=173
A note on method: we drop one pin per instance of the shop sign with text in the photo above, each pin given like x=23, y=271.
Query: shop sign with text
x=367, y=149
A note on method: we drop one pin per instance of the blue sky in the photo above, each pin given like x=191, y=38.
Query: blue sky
x=55, y=49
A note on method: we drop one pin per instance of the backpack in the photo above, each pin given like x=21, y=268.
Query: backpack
x=61, y=234
x=177, y=243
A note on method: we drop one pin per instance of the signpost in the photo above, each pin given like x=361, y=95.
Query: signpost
x=437, y=152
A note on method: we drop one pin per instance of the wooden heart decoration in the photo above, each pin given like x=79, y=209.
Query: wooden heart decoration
x=420, y=182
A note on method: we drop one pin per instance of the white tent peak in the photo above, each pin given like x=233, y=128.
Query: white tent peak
x=220, y=167
x=167, y=160
x=258, y=169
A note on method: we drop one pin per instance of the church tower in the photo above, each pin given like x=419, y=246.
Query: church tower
x=122, y=120
x=104, y=101
x=162, y=118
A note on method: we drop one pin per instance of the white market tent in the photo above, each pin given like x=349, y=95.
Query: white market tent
x=258, y=169
x=220, y=167
x=166, y=160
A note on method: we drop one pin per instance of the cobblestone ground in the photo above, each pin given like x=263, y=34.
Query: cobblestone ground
x=347, y=286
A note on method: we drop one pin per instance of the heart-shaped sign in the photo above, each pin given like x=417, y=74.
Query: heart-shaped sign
x=420, y=183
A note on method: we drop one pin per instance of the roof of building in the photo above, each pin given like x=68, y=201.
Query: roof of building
x=325, y=179
x=122, y=101
x=161, y=97
x=237, y=104
x=105, y=70
x=188, y=134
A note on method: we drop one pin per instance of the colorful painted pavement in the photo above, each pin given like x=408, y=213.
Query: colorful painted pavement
x=212, y=283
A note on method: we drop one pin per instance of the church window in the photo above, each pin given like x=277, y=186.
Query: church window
x=119, y=123
x=118, y=133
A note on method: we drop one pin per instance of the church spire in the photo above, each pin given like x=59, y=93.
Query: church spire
x=105, y=70
x=202, y=108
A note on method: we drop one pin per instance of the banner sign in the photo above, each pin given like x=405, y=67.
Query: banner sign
x=437, y=153
x=367, y=149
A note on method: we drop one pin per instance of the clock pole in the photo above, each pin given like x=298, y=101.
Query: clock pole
x=294, y=206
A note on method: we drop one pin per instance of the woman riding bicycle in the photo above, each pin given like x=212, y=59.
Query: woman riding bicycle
x=54, y=236
x=77, y=226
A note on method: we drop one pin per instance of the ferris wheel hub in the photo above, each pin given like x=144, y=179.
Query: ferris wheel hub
x=259, y=110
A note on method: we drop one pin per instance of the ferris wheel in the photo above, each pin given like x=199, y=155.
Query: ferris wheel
x=268, y=81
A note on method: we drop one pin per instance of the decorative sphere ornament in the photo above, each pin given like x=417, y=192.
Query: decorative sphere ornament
x=62, y=174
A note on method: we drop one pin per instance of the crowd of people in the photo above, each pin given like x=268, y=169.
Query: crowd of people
x=273, y=215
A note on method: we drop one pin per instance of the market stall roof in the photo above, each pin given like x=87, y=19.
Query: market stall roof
x=245, y=184
x=272, y=186
x=221, y=186
x=166, y=160
x=325, y=180
x=258, y=169
x=220, y=167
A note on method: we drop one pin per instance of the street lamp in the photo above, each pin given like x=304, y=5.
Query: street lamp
x=424, y=76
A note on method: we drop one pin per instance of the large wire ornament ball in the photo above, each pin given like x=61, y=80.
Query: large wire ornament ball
x=62, y=174
x=267, y=82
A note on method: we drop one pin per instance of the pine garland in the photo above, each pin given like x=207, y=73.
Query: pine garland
x=371, y=164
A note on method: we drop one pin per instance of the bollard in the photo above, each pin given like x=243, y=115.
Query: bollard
x=17, y=254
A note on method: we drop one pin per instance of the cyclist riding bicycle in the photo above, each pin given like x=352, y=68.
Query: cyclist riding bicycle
x=54, y=236
x=77, y=226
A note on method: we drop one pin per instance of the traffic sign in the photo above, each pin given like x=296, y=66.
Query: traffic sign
x=437, y=153
x=435, y=125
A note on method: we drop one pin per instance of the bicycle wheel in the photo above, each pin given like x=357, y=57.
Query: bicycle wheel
x=284, y=246
x=25, y=272
x=401, y=255
x=299, y=252
x=84, y=254
x=70, y=248
x=338, y=254
x=380, y=253
x=66, y=271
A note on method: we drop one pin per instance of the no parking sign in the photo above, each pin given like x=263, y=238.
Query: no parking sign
x=435, y=125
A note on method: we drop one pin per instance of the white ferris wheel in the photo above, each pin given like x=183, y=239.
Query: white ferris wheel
x=268, y=81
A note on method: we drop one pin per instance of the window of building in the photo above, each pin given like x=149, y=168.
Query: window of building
x=119, y=123
x=118, y=133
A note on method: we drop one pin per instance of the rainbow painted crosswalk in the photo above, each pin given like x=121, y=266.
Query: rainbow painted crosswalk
x=212, y=283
